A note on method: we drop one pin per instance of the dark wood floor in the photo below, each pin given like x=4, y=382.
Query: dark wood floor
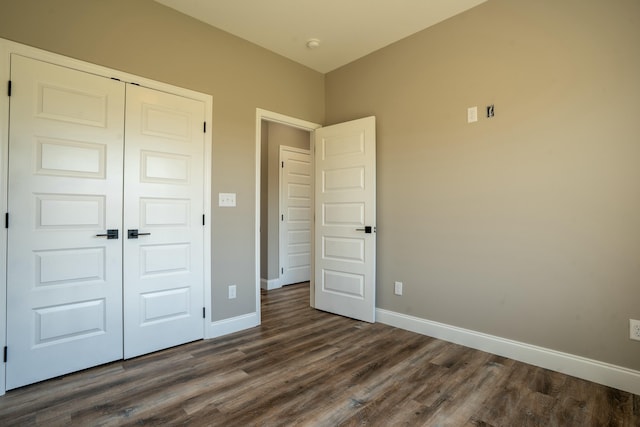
x=305, y=367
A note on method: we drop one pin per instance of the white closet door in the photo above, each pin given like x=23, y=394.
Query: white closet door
x=163, y=194
x=64, y=283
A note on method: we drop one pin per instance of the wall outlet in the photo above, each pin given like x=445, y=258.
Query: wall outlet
x=232, y=291
x=634, y=329
x=397, y=288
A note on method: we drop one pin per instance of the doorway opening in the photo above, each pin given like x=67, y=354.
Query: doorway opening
x=285, y=206
x=280, y=258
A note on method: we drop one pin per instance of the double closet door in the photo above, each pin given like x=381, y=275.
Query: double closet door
x=105, y=236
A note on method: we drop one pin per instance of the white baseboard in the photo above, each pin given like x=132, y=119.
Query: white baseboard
x=234, y=324
x=270, y=284
x=592, y=370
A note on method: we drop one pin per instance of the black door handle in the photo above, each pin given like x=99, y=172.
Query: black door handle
x=367, y=229
x=111, y=234
x=133, y=233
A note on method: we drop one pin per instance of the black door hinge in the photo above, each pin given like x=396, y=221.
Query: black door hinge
x=205, y=127
x=282, y=217
x=5, y=354
x=283, y=164
x=6, y=220
x=203, y=313
x=9, y=88
x=202, y=219
x=282, y=271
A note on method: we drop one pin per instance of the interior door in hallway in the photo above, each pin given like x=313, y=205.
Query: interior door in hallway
x=64, y=281
x=295, y=215
x=345, y=212
x=163, y=221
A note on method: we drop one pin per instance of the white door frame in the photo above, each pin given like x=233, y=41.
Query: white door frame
x=271, y=116
x=7, y=48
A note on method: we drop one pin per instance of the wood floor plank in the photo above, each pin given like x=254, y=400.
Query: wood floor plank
x=304, y=367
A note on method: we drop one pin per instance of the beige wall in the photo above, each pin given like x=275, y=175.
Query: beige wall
x=279, y=135
x=145, y=38
x=526, y=225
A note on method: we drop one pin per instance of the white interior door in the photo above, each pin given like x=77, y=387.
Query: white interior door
x=345, y=219
x=163, y=193
x=295, y=215
x=64, y=282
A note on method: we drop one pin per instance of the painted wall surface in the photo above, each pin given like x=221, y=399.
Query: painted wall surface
x=279, y=135
x=526, y=225
x=145, y=38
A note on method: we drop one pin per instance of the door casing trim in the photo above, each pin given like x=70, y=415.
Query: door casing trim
x=271, y=116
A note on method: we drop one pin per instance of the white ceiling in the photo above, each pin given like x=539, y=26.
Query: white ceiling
x=347, y=29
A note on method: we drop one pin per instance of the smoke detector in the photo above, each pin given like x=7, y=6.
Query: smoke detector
x=313, y=43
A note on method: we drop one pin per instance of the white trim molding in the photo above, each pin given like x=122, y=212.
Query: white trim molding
x=588, y=369
x=233, y=324
x=268, y=285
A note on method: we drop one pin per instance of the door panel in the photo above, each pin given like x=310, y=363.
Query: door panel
x=345, y=239
x=163, y=193
x=64, y=284
x=295, y=226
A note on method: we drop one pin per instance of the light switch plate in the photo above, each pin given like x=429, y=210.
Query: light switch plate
x=227, y=200
x=472, y=114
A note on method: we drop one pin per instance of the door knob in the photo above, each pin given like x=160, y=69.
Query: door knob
x=110, y=234
x=367, y=229
x=133, y=233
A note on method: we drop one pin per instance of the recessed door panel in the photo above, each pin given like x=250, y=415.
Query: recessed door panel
x=343, y=179
x=297, y=237
x=68, y=211
x=70, y=158
x=299, y=191
x=164, y=212
x=343, y=284
x=62, y=266
x=346, y=249
x=66, y=322
x=336, y=145
x=66, y=101
x=299, y=260
x=299, y=214
x=167, y=123
x=164, y=259
x=164, y=168
x=164, y=306
x=343, y=214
